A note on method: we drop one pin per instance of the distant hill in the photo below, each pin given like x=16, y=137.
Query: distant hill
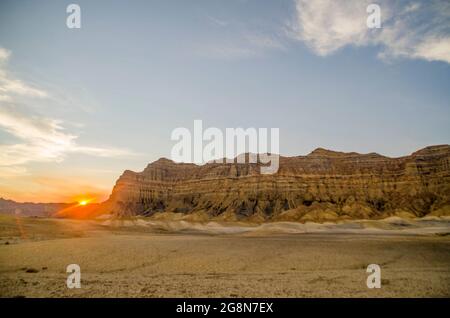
x=31, y=209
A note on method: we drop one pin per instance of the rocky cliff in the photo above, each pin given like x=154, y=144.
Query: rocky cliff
x=324, y=185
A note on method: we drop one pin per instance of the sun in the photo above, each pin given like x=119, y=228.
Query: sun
x=84, y=202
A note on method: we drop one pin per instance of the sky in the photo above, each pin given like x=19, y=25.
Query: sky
x=80, y=106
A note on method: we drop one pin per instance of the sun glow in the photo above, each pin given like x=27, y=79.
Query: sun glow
x=84, y=202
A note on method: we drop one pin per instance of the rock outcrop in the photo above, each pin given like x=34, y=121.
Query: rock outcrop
x=322, y=186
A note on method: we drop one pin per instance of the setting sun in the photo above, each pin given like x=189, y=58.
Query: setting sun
x=84, y=202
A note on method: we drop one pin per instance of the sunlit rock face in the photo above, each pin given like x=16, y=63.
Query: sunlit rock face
x=322, y=186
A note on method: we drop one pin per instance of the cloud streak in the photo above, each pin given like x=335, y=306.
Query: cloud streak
x=10, y=87
x=40, y=139
x=236, y=40
x=247, y=45
x=409, y=29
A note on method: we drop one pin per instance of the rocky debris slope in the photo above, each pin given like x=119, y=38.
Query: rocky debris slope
x=322, y=186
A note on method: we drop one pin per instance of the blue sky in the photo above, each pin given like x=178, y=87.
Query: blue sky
x=86, y=104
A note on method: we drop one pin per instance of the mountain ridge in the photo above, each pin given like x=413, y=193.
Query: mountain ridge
x=323, y=185
x=49, y=209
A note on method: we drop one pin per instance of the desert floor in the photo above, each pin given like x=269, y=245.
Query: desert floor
x=140, y=258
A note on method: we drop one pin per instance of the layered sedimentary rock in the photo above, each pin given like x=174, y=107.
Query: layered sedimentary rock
x=324, y=185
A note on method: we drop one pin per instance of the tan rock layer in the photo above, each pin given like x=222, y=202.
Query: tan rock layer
x=324, y=185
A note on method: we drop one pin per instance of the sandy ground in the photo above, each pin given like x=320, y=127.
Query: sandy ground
x=142, y=258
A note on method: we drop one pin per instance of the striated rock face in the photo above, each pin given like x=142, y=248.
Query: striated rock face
x=324, y=185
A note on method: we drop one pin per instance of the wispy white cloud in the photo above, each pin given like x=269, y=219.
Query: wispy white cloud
x=246, y=45
x=217, y=21
x=10, y=86
x=409, y=29
x=433, y=49
x=42, y=140
x=4, y=55
x=264, y=41
x=236, y=40
x=325, y=26
x=35, y=138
